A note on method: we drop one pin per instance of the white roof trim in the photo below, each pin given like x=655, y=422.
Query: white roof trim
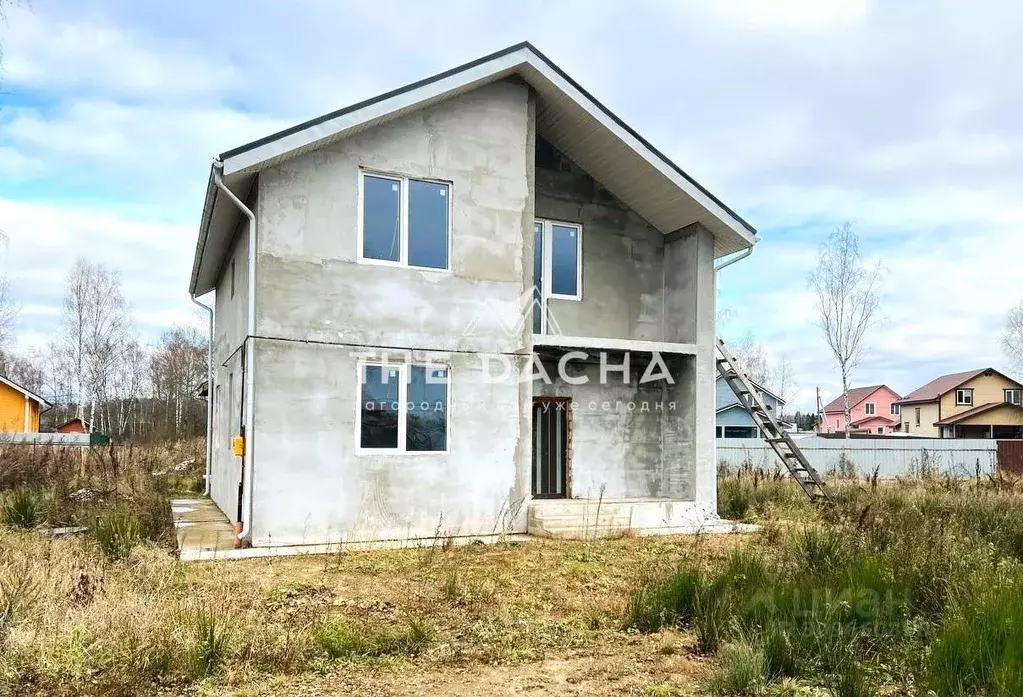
x=730, y=230
x=28, y=393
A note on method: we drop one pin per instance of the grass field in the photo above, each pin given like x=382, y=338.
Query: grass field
x=901, y=589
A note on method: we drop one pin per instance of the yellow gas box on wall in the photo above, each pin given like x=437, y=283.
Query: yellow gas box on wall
x=238, y=446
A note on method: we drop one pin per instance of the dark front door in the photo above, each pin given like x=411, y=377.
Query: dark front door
x=550, y=446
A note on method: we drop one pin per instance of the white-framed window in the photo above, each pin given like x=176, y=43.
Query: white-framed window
x=869, y=409
x=895, y=409
x=964, y=397
x=1014, y=396
x=404, y=221
x=403, y=408
x=560, y=258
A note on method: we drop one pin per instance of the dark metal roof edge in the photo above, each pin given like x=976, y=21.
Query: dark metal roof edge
x=467, y=66
x=209, y=204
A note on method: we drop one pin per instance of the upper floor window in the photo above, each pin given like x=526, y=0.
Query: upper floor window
x=869, y=409
x=232, y=278
x=964, y=397
x=895, y=410
x=916, y=415
x=561, y=260
x=1014, y=396
x=404, y=221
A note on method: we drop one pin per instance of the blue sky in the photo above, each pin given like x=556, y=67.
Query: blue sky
x=901, y=117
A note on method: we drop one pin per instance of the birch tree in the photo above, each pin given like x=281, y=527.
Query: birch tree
x=1012, y=339
x=783, y=379
x=848, y=293
x=752, y=358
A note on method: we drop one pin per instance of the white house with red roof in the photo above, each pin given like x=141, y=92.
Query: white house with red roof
x=872, y=409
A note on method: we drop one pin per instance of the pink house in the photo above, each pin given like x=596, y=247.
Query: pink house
x=872, y=410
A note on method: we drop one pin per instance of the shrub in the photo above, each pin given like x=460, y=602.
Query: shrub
x=740, y=673
x=211, y=636
x=979, y=647
x=671, y=602
x=339, y=637
x=117, y=535
x=23, y=508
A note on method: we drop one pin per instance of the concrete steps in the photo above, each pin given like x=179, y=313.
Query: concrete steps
x=579, y=519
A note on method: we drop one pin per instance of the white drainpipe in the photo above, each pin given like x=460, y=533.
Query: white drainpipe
x=209, y=396
x=247, y=459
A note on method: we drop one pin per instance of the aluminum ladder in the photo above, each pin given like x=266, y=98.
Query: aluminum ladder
x=780, y=441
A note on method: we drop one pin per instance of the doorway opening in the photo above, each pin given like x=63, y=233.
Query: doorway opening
x=550, y=447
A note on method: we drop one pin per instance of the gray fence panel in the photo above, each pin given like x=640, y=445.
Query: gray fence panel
x=892, y=457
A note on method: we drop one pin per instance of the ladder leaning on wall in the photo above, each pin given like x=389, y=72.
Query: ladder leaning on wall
x=780, y=441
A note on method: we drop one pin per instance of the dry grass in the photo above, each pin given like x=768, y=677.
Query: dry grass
x=79, y=616
x=148, y=622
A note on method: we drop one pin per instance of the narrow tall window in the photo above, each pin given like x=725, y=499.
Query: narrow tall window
x=917, y=415
x=232, y=278
x=405, y=221
x=557, y=267
x=427, y=405
x=381, y=218
x=427, y=224
x=380, y=406
x=564, y=261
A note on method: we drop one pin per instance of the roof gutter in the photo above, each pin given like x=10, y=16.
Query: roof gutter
x=728, y=262
x=245, y=533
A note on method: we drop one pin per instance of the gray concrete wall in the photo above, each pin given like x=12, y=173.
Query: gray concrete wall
x=312, y=487
x=310, y=286
x=310, y=484
x=622, y=256
x=625, y=436
x=230, y=318
x=689, y=305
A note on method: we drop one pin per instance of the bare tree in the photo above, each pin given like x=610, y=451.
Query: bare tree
x=1012, y=339
x=96, y=329
x=752, y=358
x=27, y=369
x=848, y=301
x=783, y=379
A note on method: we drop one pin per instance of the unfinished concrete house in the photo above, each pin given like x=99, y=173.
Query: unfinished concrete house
x=479, y=304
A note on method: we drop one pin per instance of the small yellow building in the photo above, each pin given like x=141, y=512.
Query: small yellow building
x=974, y=404
x=19, y=408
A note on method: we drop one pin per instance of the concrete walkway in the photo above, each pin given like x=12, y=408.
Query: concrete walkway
x=203, y=531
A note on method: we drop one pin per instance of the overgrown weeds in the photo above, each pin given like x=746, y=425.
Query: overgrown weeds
x=340, y=637
x=906, y=585
x=23, y=508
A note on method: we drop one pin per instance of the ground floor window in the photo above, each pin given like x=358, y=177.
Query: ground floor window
x=403, y=407
x=740, y=432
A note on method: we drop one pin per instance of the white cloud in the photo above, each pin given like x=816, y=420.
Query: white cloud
x=799, y=114
x=45, y=53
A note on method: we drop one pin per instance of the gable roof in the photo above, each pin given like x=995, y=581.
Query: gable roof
x=933, y=390
x=956, y=418
x=758, y=386
x=856, y=395
x=28, y=393
x=567, y=115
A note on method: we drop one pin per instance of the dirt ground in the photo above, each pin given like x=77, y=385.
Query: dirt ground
x=534, y=618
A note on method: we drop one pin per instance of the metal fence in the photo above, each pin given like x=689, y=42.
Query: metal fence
x=903, y=457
